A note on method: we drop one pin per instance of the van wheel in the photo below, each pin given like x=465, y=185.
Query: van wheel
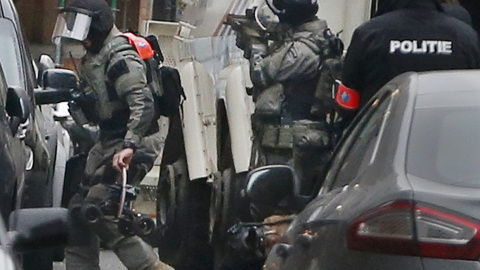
x=230, y=208
x=182, y=218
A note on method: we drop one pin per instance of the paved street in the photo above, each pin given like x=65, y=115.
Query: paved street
x=108, y=261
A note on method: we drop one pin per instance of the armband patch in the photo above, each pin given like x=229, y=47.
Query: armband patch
x=347, y=98
x=118, y=69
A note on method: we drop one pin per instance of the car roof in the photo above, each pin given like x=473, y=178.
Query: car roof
x=433, y=82
x=7, y=9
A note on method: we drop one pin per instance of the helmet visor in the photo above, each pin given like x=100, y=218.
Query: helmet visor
x=265, y=17
x=71, y=25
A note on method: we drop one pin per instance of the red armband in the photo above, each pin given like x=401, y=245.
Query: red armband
x=347, y=98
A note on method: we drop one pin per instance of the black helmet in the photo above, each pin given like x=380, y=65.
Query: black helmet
x=99, y=26
x=294, y=12
x=386, y=6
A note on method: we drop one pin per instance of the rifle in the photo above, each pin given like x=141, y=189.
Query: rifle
x=250, y=35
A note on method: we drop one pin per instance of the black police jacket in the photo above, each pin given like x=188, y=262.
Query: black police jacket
x=420, y=38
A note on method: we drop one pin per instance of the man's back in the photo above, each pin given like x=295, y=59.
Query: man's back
x=408, y=39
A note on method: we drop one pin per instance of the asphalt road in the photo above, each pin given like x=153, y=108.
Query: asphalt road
x=108, y=261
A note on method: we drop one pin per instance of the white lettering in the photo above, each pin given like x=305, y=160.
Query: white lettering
x=406, y=46
x=421, y=47
x=394, y=45
x=431, y=45
x=417, y=49
x=446, y=47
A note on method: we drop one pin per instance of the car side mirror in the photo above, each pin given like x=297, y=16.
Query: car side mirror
x=272, y=185
x=17, y=107
x=34, y=228
x=57, y=86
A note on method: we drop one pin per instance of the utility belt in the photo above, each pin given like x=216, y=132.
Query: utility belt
x=298, y=133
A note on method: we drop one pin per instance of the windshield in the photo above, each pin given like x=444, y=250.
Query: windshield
x=9, y=54
x=444, y=142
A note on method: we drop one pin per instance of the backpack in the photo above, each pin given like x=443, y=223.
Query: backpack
x=330, y=49
x=163, y=81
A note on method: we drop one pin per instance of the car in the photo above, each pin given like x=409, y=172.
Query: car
x=29, y=229
x=14, y=112
x=41, y=182
x=402, y=188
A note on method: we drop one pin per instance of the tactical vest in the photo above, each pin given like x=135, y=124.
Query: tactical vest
x=110, y=109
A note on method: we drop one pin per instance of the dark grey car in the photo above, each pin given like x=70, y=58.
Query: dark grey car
x=41, y=173
x=14, y=110
x=403, y=188
x=19, y=72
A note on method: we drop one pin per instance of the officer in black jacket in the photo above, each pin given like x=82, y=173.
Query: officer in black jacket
x=407, y=35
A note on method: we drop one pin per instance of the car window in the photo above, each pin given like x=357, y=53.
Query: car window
x=362, y=143
x=443, y=145
x=9, y=55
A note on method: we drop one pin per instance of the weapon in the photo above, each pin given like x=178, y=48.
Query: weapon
x=249, y=240
x=247, y=25
x=251, y=35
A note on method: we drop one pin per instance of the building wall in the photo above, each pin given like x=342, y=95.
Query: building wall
x=38, y=17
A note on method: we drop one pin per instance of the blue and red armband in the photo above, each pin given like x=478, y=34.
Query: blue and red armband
x=347, y=98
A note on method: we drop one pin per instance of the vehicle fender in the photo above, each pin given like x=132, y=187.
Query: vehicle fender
x=239, y=107
x=199, y=119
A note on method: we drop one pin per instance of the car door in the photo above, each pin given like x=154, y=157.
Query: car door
x=360, y=143
x=20, y=73
x=12, y=159
x=355, y=153
x=327, y=215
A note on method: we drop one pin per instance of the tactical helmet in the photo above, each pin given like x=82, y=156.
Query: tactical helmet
x=85, y=19
x=294, y=12
x=386, y=6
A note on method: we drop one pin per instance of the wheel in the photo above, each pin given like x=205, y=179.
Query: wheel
x=182, y=219
x=91, y=213
x=229, y=207
x=143, y=225
x=215, y=209
x=166, y=197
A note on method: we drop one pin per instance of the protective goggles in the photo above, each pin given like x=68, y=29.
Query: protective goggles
x=72, y=24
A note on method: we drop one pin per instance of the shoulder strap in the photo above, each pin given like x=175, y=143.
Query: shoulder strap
x=327, y=45
x=309, y=41
x=143, y=47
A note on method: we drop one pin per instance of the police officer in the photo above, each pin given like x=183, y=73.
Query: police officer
x=285, y=79
x=123, y=107
x=455, y=9
x=407, y=35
